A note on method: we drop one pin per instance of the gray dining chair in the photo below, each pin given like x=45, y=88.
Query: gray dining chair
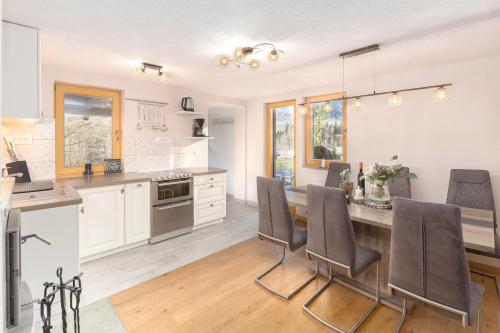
x=331, y=240
x=333, y=178
x=428, y=261
x=277, y=226
x=472, y=188
x=400, y=186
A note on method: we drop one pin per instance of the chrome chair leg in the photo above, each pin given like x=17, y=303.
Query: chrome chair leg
x=402, y=318
x=358, y=323
x=292, y=293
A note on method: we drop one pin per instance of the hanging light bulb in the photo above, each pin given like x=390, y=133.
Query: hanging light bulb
x=254, y=64
x=440, y=95
x=395, y=99
x=358, y=103
x=238, y=53
x=273, y=55
x=141, y=70
x=302, y=109
x=327, y=107
x=223, y=61
x=162, y=75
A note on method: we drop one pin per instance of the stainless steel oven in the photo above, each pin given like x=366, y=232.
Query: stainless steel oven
x=169, y=191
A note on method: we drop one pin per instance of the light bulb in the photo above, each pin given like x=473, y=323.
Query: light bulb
x=162, y=75
x=395, y=99
x=238, y=53
x=141, y=70
x=302, y=109
x=223, y=61
x=358, y=103
x=327, y=107
x=254, y=64
x=273, y=55
x=440, y=95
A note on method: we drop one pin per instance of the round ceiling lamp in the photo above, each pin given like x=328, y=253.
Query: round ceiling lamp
x=328, y=107
x=440, y=95
x=240, y=54
x=358, y=103
x=395, y=99
x=302, y=109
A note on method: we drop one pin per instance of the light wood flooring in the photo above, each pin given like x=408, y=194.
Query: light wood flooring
x=218, y=294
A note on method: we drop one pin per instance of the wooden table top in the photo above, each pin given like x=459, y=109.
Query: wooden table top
x=478, y=236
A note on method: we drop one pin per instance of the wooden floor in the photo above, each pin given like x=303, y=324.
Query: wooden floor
x=218, y=294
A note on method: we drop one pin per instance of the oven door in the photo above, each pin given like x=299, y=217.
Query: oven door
x=172, y=220
x=172, y=191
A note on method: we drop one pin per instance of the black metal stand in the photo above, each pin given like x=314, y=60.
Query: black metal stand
x=74, y=286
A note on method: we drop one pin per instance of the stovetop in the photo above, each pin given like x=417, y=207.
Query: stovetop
x=170, y=174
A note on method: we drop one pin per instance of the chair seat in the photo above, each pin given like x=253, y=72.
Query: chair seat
x=299, y=237
x=364, y=258
x=476, y=293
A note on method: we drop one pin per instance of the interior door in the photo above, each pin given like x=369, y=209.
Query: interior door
x=101, y=219
x=281, y=141
x=137, y=212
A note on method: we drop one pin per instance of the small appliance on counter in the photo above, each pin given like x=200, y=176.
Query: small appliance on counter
x=88, y=170
x=198, y=127
x=187, y=104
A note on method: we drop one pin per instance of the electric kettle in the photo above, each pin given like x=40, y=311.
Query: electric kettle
x=187, y=104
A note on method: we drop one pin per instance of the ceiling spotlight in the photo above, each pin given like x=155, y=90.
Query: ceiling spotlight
x=141, y=69
x=238, y=53
x=162, y=75
x=254, y=64
x=440, y=95
x=327, y=107
x=273, y=55
x=302, y=109
x=223, y=61
x=395, y=99
x=358, y=103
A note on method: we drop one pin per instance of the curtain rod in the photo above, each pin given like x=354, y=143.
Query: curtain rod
x=379, y=93
x=145, y=101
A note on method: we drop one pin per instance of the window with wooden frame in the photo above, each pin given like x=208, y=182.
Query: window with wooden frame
x=281, y=119
x=326, y=129
x=87, y=127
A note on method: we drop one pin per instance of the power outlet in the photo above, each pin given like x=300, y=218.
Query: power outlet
x=163, y=140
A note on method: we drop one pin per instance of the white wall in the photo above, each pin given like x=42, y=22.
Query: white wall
x=221, y=150
x=430, y=138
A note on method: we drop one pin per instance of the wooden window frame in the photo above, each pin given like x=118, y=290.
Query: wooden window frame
x=269, y=131
x=62, y=88
x=315, y=163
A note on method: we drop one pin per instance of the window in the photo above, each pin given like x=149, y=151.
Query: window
x=281, y=141
x=87, y=127
x=326, y=130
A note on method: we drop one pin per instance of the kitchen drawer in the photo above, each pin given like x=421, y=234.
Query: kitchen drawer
x=209, y=212
x=209, y=192
x=208, y=179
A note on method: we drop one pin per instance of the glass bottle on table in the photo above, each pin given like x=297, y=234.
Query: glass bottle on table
x=361, y=179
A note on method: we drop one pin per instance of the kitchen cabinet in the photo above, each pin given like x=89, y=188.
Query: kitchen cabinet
x=209, y=195
x=20, y=71
x=113, y=219
x=137, y=212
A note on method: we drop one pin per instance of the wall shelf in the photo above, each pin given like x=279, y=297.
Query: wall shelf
x=189, y=113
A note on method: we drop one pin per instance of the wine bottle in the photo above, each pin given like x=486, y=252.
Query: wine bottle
x=361, y=179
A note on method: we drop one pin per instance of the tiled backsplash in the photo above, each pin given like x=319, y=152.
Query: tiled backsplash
x=36, y=145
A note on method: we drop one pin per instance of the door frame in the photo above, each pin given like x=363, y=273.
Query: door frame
x=270, y=146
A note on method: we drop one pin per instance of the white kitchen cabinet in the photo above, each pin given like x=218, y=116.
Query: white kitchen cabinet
x=137, y=212
x=101, y=219
x=209, y=196
x=20, y=71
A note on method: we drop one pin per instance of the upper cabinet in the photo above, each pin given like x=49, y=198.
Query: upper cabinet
x=20, y=71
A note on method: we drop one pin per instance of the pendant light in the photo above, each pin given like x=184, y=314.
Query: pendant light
x=302, y=110
x=440, y=95
x=395, y=99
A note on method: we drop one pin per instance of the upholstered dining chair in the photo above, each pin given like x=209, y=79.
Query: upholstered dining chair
x=400, y=186
x=277, y=226
x=428, y=261
x=331, y=240
x=333, y=178
x=472, y=188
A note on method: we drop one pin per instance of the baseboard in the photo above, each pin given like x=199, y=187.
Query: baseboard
x=113, y=251
x=206, y=224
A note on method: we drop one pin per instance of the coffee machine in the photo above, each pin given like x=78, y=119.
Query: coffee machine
x=198, y=127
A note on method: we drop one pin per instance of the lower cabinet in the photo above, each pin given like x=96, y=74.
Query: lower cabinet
x=209, y=199
x=111, y=217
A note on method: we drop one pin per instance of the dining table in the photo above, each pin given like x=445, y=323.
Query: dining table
x=372, y=227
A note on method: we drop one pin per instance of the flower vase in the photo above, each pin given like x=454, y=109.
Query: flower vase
x=378, y=195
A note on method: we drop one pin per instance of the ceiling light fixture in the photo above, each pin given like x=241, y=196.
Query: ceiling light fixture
x=162, y=74
x=395, y=99
x=440, y=95
x=240, y=54
x=302, y=109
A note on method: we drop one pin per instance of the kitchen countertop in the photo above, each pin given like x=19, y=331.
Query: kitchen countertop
x=204, y=170
x=65, y=190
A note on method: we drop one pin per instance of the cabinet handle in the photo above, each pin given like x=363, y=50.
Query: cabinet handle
x=122, y=191
x=211, y=179
x=211, y=205
x=139, y=185
x=211, y=186
x=82, y=210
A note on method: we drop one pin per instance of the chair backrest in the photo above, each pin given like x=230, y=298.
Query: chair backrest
x=329, y=228
x=471, y=188
x=427, y=255
x=275, y=219
x=400, y=186
x=333, y=178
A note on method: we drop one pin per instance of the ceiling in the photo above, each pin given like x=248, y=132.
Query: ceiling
x=188, y=37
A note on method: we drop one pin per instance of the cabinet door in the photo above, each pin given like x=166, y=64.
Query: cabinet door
x=137, y=212
x=209, y=192
x=101, y=219
x=20, y=71
x=209, y=212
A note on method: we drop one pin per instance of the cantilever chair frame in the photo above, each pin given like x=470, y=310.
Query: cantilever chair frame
x=463, y=314
x=331, y=278
x=270, y=269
